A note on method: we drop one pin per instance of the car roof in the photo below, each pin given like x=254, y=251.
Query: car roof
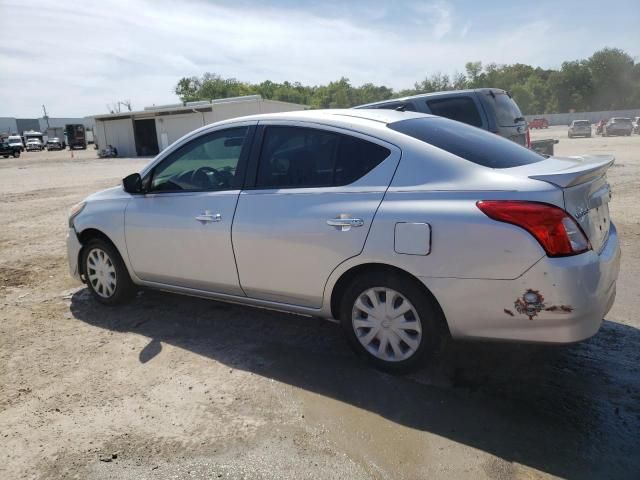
x=434, y=94
x=341, y=117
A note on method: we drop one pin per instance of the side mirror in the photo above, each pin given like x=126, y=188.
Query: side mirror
x=132, y=183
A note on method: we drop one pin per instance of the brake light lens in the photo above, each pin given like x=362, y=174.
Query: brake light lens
x=554, y=229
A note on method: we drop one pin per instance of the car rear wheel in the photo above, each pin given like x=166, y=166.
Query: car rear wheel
x=106, y=274
x=16, y=154
x=390, y=321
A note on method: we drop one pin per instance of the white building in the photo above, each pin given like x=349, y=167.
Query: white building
x=153, y=129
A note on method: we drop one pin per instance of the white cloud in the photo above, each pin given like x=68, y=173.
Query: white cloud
x=437, y=15
x=77, y=59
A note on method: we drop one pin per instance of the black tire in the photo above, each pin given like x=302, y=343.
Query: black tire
x=7, y=156
x=429, y=316
x=124, y=289
x=16, y=154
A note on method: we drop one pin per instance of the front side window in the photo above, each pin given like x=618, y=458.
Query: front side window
x=295, y=157
x=208, y=163
x=461, y=109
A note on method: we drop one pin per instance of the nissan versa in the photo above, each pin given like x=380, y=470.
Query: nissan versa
x=403, y=226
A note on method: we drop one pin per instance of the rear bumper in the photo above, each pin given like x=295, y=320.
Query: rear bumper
x=558, y=300
x=73, y=253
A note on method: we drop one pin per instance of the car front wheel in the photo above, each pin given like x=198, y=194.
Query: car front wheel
x=390, y=321
x=106, y=274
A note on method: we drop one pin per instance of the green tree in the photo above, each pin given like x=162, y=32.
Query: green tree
x=609, y=79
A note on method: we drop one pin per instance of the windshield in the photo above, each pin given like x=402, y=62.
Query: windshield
x=472, y=144
x=581, y=123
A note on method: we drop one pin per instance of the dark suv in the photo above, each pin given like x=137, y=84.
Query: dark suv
x=491, y=109
x=7, y=150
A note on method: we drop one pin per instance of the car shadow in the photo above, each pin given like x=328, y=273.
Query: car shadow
x=571, y=411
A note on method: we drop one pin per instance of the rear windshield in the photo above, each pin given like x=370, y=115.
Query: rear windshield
x=507, y=111
x=582, y=123
x=621, y=120
x=472, y=144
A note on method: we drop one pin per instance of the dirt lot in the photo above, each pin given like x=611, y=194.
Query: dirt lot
x=176, y=387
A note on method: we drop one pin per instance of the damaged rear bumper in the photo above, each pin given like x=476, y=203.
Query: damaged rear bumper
x=558, y=300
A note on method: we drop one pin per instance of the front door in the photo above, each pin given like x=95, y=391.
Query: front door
x=179, y=232
x=316, y=191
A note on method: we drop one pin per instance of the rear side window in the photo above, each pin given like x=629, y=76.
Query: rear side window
x=294, y=157
x=462, y=109
x=507, y=111
x=472, y=144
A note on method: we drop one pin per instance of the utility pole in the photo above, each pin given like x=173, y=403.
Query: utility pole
x=46, y=117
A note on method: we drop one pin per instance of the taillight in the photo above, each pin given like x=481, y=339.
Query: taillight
x=528, y=138
x=556, y=231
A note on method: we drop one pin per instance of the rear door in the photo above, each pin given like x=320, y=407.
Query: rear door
x=315, y=192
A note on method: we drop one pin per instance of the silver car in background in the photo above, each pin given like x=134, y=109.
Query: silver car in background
x=405, y=227
x=579, y=128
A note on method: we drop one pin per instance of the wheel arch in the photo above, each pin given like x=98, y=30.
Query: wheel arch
x=89, y=234
x=347, y=277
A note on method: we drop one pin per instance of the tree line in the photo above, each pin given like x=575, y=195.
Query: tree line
x=607, y=80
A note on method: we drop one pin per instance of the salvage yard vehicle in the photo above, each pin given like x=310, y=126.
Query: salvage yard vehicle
x=405, y=227
x=16, y=142
x=491, y=109
x=539, y=123
x=579, y=128
x=76, y=138
x=33, y=144
x=54, y=144
x=8, y=150
x=617, y=126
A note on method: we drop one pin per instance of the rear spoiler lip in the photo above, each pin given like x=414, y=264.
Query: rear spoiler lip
x=590, y=168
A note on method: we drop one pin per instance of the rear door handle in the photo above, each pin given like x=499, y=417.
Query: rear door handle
x=209, y=217
x=345, y=224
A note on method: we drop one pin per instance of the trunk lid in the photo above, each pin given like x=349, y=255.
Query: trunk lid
x=586, y=191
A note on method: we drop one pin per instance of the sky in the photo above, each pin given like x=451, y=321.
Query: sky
x=78, y=57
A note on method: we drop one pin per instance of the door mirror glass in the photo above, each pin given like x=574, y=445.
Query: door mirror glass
x=132, y=183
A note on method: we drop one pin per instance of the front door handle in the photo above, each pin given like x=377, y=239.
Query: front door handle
x=345, y=224
x=209, y=217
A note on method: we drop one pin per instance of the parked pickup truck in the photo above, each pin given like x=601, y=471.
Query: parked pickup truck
x=491, y=109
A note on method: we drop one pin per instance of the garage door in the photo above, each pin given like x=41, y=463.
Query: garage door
x=119, y=133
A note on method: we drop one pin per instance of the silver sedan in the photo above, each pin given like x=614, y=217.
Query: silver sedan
x=404, y=227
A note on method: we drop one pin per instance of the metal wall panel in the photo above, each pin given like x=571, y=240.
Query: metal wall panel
x=119, y=133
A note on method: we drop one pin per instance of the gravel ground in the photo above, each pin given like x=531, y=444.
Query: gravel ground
x=176, y=387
